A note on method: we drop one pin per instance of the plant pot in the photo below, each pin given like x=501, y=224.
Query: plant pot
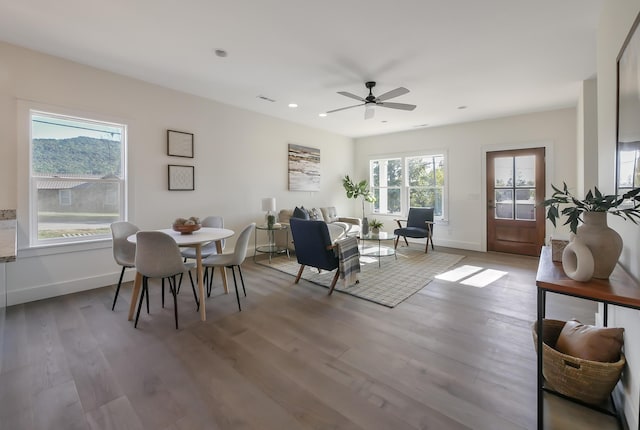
x=375, y=230
x=604, y=242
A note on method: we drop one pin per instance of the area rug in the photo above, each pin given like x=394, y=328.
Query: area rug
x=388, y=285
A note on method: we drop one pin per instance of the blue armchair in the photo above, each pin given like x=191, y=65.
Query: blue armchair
x=419, y=224
x=313, y=247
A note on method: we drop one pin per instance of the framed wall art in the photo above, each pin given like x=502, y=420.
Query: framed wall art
x=181, y=178
x=179, y=144
x=628, y=127
x=304, y=168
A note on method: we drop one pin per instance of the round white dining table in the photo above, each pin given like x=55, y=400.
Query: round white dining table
x=193, y=240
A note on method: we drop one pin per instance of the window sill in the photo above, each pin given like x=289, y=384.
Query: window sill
x=63, y=248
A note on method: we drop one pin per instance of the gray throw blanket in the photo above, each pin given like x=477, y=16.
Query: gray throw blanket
x=348, y=260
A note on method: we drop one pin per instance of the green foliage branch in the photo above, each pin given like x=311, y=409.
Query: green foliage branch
x=593, y=202
x=358, y=189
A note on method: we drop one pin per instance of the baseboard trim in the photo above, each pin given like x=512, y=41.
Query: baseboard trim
x=40, y=292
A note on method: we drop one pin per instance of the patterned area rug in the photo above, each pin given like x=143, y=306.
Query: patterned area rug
x=388, y=285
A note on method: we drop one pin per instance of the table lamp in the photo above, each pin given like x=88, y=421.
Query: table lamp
x=269, y=206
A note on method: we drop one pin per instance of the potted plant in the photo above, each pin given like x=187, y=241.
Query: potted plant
x=359, y=189
x=604, y=243
x=375, y=226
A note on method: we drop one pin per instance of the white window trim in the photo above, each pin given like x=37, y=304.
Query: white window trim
x=26, y=247
x=404, y=194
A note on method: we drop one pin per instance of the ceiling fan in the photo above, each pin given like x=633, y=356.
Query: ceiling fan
x=371, y=101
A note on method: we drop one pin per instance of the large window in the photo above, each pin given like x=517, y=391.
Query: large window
x=78, y=180
x=410, y=181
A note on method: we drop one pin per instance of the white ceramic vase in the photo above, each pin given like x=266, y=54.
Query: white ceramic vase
x=604, y=243
x=577, y=260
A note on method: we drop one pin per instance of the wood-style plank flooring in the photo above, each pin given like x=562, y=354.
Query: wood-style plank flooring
x=450, y=357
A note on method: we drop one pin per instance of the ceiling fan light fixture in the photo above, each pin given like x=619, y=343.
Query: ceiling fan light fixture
x=369, y=110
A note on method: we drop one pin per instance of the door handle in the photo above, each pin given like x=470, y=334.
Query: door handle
x=491, y=207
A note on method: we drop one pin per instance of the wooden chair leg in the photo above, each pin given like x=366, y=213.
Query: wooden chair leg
x=405, y=240
x=333, y=282
x=299, y=273
x=395, y=246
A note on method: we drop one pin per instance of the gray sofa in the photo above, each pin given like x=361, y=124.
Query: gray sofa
x=338, y=226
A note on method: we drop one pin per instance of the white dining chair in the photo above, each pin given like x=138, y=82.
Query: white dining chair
x=158, y=256
x=124, y=252
x=234, y=259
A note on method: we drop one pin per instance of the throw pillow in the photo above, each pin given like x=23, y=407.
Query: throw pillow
x=300, y=213
x=316, y=214
x=602, y=344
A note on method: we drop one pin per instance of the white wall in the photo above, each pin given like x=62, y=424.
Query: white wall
x=465, y=145
x=240, y=157
x=615, y=23
x=587, y=142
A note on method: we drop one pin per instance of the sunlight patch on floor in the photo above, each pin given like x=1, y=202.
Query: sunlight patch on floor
x=458, y=273
x=484, y=278
x=463, y=275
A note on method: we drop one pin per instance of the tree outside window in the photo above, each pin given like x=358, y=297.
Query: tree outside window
x=413, y=181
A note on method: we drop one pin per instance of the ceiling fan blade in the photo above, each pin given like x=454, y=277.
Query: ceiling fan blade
x=353, y=96
x=393, y=93
x=402, y=106
x=348, y=107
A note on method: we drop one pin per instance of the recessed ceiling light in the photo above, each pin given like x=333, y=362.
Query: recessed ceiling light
x=462, y=107
x=293, y=105
x=323, y=114
x=421, y=125
x=265, y=98
x=220, y=53
x=383, y=121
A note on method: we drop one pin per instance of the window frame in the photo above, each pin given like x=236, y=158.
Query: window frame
x=405, y=187
x=32, y=240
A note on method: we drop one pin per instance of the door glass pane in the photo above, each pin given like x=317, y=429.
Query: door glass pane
x=526, y=171
x=504, y=204
x=525, y=204
x=503, y=170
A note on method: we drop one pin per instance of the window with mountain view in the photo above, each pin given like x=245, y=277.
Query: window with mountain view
x=410, y=181
x=77, y=178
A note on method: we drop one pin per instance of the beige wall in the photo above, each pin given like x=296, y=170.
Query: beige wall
x=615, y=23
x=240, y=157
x=466, y=145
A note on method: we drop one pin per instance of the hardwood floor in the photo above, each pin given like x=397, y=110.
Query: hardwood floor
x=450, y=357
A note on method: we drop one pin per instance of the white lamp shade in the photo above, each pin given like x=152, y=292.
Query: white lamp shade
x=269, y=204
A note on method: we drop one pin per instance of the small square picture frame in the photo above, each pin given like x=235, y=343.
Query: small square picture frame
x=181, y=178
x=179, y=144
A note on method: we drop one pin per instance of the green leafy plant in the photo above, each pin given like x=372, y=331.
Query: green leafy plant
x=358, y=189
x=593, y=202
x=374, y=223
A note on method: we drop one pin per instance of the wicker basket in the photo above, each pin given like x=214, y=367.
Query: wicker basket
x=585, y=380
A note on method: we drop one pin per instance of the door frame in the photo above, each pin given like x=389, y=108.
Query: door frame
x=548, y=145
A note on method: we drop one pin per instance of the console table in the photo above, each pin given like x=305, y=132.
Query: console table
x=620, y=290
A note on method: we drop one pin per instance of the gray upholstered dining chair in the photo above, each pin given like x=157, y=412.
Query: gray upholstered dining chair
x=419, y=224
x=124, y=252
x=158, y=256
x=213, y=221
x=233, y=260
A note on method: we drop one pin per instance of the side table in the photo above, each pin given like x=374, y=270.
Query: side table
x=619, y=290
x=271, y=248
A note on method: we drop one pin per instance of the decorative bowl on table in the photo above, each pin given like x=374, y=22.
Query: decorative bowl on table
x=186, y=226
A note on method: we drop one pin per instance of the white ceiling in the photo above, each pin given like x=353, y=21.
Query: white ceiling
x=498, y=57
